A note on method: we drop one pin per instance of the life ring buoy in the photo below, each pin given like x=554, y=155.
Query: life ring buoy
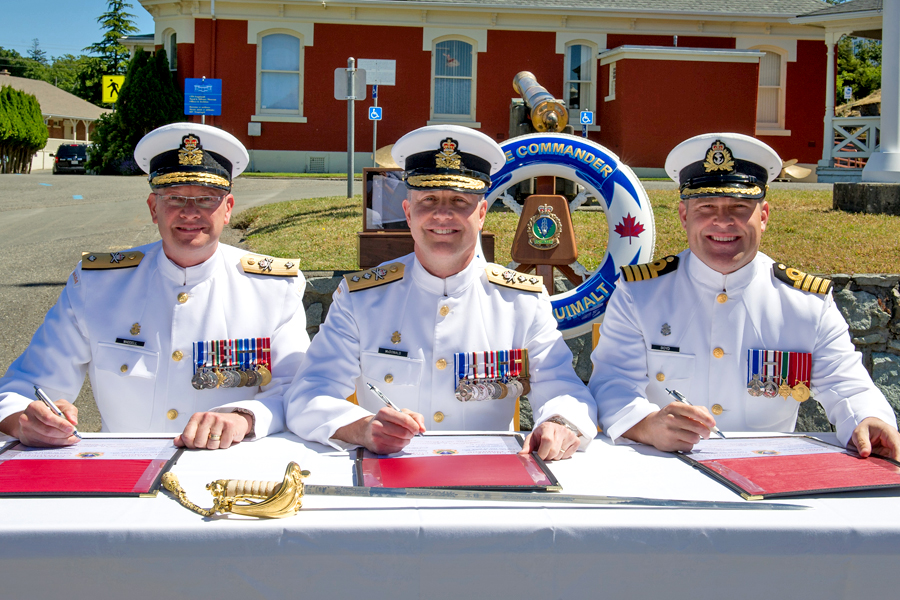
x=632, y=232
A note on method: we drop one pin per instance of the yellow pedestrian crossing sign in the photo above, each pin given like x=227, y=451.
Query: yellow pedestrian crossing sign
x=111, y=86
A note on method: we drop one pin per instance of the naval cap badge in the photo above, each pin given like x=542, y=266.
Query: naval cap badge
x=718, y=158
x=190, y=152
x=448, y=158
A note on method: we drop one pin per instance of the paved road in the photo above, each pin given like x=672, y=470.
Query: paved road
x=46, y=221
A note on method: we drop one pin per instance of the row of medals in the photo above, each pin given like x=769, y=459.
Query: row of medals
x=476, y=391
x=208, y=379
x=769, y=389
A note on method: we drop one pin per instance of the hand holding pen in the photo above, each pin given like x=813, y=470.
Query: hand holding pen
x=42, y=423
x=680, y=398
x=388, y=403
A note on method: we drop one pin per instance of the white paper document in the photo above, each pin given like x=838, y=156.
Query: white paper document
x=99, y=449
x=719, y=449
x=462, y=445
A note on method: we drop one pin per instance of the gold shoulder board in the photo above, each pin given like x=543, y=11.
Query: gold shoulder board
x=513, y=279
x=374, y=277
x=801, y=280
x=650, y=270
x=91, y=261
x=266, y=265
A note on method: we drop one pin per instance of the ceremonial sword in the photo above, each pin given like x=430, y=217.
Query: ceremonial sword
x=275, y=500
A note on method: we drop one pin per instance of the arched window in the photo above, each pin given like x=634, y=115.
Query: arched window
x=771, y=95
x=279, y=87
x=579, y=91
x=453, y=80
x=172, y=50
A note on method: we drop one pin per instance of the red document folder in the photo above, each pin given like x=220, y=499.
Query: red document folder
x=769, y=474
x=89, y=473
x=460, y=471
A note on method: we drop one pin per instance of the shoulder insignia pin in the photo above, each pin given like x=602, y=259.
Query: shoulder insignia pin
x=96, y=261
x=514, y=279
x=801, y=280
x=374, y=277
x=255, y=264
x=650, y=270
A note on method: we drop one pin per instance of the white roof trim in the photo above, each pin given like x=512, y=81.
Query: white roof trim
x=683, y=54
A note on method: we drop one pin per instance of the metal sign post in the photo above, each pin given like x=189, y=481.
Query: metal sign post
x=351, y=97
x=374, y=124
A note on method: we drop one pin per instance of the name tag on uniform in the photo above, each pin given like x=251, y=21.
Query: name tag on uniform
x=392, y=352
x=665, y=348
x=129, y=342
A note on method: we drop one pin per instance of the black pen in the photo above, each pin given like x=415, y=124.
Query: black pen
x=387, y=401
x=680, y=398
x=43, y=398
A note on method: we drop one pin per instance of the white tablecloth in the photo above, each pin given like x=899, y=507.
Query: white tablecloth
x=846, y=545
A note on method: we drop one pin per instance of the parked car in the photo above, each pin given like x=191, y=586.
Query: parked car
x=70, y=158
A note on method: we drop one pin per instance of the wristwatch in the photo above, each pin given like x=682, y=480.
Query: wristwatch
x=565, y=423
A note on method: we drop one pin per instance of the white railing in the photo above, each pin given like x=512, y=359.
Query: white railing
x=855, y=139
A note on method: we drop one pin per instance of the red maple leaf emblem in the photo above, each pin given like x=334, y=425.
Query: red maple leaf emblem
x=628, y=228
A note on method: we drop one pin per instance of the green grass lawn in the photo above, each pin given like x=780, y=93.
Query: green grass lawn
x=804, y=232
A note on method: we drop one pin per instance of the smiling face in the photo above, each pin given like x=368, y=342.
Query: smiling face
x=724, y=232
x=190, y=235
x=445, y=225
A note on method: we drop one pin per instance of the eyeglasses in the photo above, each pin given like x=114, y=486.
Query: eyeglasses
x=203, y=202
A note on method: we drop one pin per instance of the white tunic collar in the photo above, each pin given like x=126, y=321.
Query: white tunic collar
x=701, y=273
x=190, y=275
x=452, y=285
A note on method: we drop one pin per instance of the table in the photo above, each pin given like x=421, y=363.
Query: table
x=847, y=544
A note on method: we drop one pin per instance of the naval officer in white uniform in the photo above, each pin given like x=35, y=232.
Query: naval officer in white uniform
x=185, y=335
x=743, y=337
x=446, y=336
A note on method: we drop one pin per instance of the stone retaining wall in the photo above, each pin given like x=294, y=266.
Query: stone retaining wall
x=870, y=303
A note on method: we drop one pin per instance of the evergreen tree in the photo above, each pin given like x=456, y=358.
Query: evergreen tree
x=35, y=53
x=117, y=23
x=148, y=99
x=22, y=130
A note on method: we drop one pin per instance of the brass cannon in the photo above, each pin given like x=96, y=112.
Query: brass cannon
x=547, y=113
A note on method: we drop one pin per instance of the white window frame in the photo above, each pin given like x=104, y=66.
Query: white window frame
x=271, y=114
x=775, y=128
x=170, y=36
x=611, y=84
x=466, y=120
x=589, y=103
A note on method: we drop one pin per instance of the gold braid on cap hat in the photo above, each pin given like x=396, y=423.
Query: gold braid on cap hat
x=185, y=177
x=721, y=190
x=446, y=180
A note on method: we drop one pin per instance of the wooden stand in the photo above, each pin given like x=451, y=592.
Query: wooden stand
x=543, y=261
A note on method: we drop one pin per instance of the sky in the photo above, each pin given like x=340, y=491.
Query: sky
x=61, y=26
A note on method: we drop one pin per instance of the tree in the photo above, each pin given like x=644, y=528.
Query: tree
x=22, y=130
x=859, y=66
x=35, y=53
x=148, y=99
x=117, y=23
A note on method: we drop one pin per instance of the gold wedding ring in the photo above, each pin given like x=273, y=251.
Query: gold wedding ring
x=215, y=437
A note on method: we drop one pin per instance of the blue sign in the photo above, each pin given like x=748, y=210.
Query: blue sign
x=374, y=92
x=374, y=113
x=203, y=97
x=587, y=117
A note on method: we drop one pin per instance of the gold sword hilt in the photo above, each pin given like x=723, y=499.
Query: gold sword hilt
x=262, y=499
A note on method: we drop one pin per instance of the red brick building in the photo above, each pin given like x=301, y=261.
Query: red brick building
x=653, y=71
